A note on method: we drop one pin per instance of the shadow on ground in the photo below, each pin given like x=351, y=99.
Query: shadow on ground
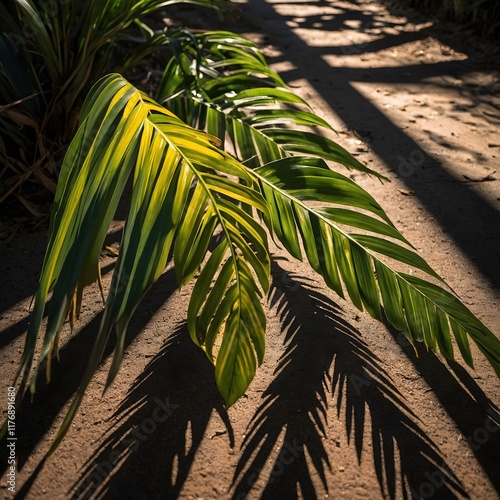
x=325, y=356
x=164, y=418
x=159, y=425
x=36, y=418
x=162, y=421
x=477, y=417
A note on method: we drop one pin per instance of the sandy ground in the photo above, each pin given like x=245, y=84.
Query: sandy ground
x=342, y=406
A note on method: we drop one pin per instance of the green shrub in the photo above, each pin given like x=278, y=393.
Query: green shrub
x=52, y=52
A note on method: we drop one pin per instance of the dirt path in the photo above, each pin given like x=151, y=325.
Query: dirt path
x=342, y=406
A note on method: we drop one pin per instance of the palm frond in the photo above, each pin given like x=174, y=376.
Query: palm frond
x=185, y=190
x=291, y=165
x=195, y=202
x=347, y=260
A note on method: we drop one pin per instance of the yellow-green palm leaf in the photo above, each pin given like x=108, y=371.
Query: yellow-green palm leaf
x=184, y=190
x=195, y=202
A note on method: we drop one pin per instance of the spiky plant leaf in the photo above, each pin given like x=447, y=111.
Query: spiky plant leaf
x=188, y=194
x=263, y=139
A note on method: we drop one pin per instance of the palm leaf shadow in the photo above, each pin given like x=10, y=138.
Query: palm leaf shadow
x=36, y=417
x=295, y=407
x=477, y=417
x=159, y=425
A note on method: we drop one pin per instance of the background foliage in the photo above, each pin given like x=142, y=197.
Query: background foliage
x=52, y=52
x=483, y=15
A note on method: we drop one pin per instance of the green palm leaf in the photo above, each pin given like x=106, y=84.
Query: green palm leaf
x=215, y=98
x=195, y=202
x=354, y=262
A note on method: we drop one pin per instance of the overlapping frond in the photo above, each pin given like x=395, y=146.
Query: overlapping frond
x=265, y=126
x=221, y=83
x=196, y=203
